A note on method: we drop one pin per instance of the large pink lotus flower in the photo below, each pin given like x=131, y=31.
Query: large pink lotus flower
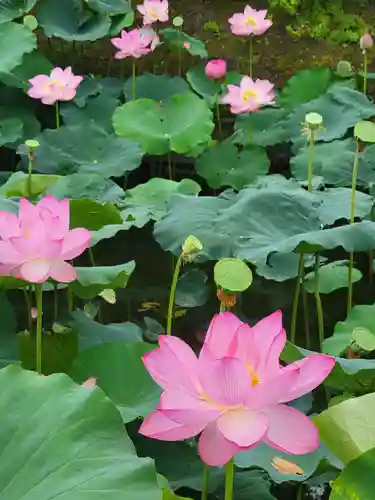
x=35, y=244
x=153, y=11
x=235, y=392
x=135, y=43
x=60, y=85
x=250, y=95
x=251, y=22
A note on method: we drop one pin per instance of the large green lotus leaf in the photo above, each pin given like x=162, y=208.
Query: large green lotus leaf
x=15, y=104
x=332, y=276
x=93, y=86
x=18, y=185
x=11, y=9
x=282, y=267
x=110, y=7
x=97, y=112
x=155, y=194
x=177, y=39
x=304, y=86
x=93, y=215
x=85, y=149
x=32, y=64
x=262, y=128
x=11, y=129
x=336, y=205
x=207, y=88
x=71, y=20
x=8, y=338
x=93, y=280
x=124, y=379
x=87, y=185
x=62, y=440
x=15, y=41
x=160, y=88
x=347, y=428
x=91, y=333
x=280, y=221
x=179, y=125
x=192, y=289
x=334, y=162
x=262, y=455
x=135, y=218
x=357, y=479
x=348, y=375
x=224, y=165
x=358, y=317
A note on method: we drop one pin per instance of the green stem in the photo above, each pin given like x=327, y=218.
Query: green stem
x=39, y=327
x=318, y=301
x=371, y=255
x=297, y=289
x=28, y=306
x=179, y=52
x=173, y=293
x=70, y=299
x=305, y=313
x=218, y=118
x=365, y=72
x=300, y=492
x=352, y=217
x=251, y=56
x=29, y=177
x=250, y=129
x=206, y=477
x=57, y=114
x=55, y=302
x=133, y=78
x=229, y=480
x=310, y=165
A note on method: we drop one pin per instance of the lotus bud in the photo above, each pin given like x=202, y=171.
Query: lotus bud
x=314, y=121
x=366, y=42
x=191, y=246
x=31, y=145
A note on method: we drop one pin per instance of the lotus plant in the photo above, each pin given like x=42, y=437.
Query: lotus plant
x=153, y=11
x=60, y=85
x=249, y=95
x=366, y=43
x=250, y=22
x=36, y=244
x=235, y=393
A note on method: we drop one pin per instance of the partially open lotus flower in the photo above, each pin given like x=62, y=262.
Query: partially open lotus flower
x=36, y=243
x=153, y=11
x=134, y=43
x=250, y=95
x=366, y=41
x=60, y=85
x=250, y=22
x=234, y=394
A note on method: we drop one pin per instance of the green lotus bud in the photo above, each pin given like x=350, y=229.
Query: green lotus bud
x=191, y=246
x=32, y=144
x=314, y=121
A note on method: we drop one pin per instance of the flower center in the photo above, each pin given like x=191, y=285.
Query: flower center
x=250, y=21
x=153, y=13
x=254, y=377
x=248, y=94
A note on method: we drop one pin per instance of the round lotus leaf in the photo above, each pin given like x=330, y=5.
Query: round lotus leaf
x=233, y=275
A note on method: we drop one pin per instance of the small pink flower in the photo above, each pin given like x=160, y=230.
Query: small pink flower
x=153, y=11
x=216, y=69
x=135, y=43
x=251, y=22
x=187, y=45
x=366, y=42
x=36, y=244
x=234, y=394
x=61, y=85
x=249, y=95
x=90, y=382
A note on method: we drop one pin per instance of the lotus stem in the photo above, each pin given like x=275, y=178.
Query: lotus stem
x=172, y=293
x=206, y=477
x=70, y=299
x=310, y=168
x=28, y=306
x=39, y=326
x=306, y=314
x=229, y=480
x=352, y=217
x=297, y=289
x=30, y=176
x=251, y=56
x=57, y=114
x=55, y=302
x=318, y=302
x=365, y=65
x=219, y=118
x=133, y=78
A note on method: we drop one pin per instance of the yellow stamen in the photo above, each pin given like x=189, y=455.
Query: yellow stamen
x=254, y=377
x=250, y=21
x=248, y=94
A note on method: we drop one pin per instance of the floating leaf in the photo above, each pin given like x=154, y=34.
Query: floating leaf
x=32, y=64
x=18, y=185
x=179, y=125
x=92, y=215
x=160, y=88
x=15, y=41
x=232, y=275
x=204, y=86
x=304, y=86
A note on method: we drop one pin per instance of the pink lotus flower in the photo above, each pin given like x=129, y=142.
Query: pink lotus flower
x=251, y=22
x=216, y=69
x=250, y=95
x=135, y=43
x=61, y=85
x=235, y=392
x=35, y=244
x=366, y=42
x=90, y=382
x=153, y=11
